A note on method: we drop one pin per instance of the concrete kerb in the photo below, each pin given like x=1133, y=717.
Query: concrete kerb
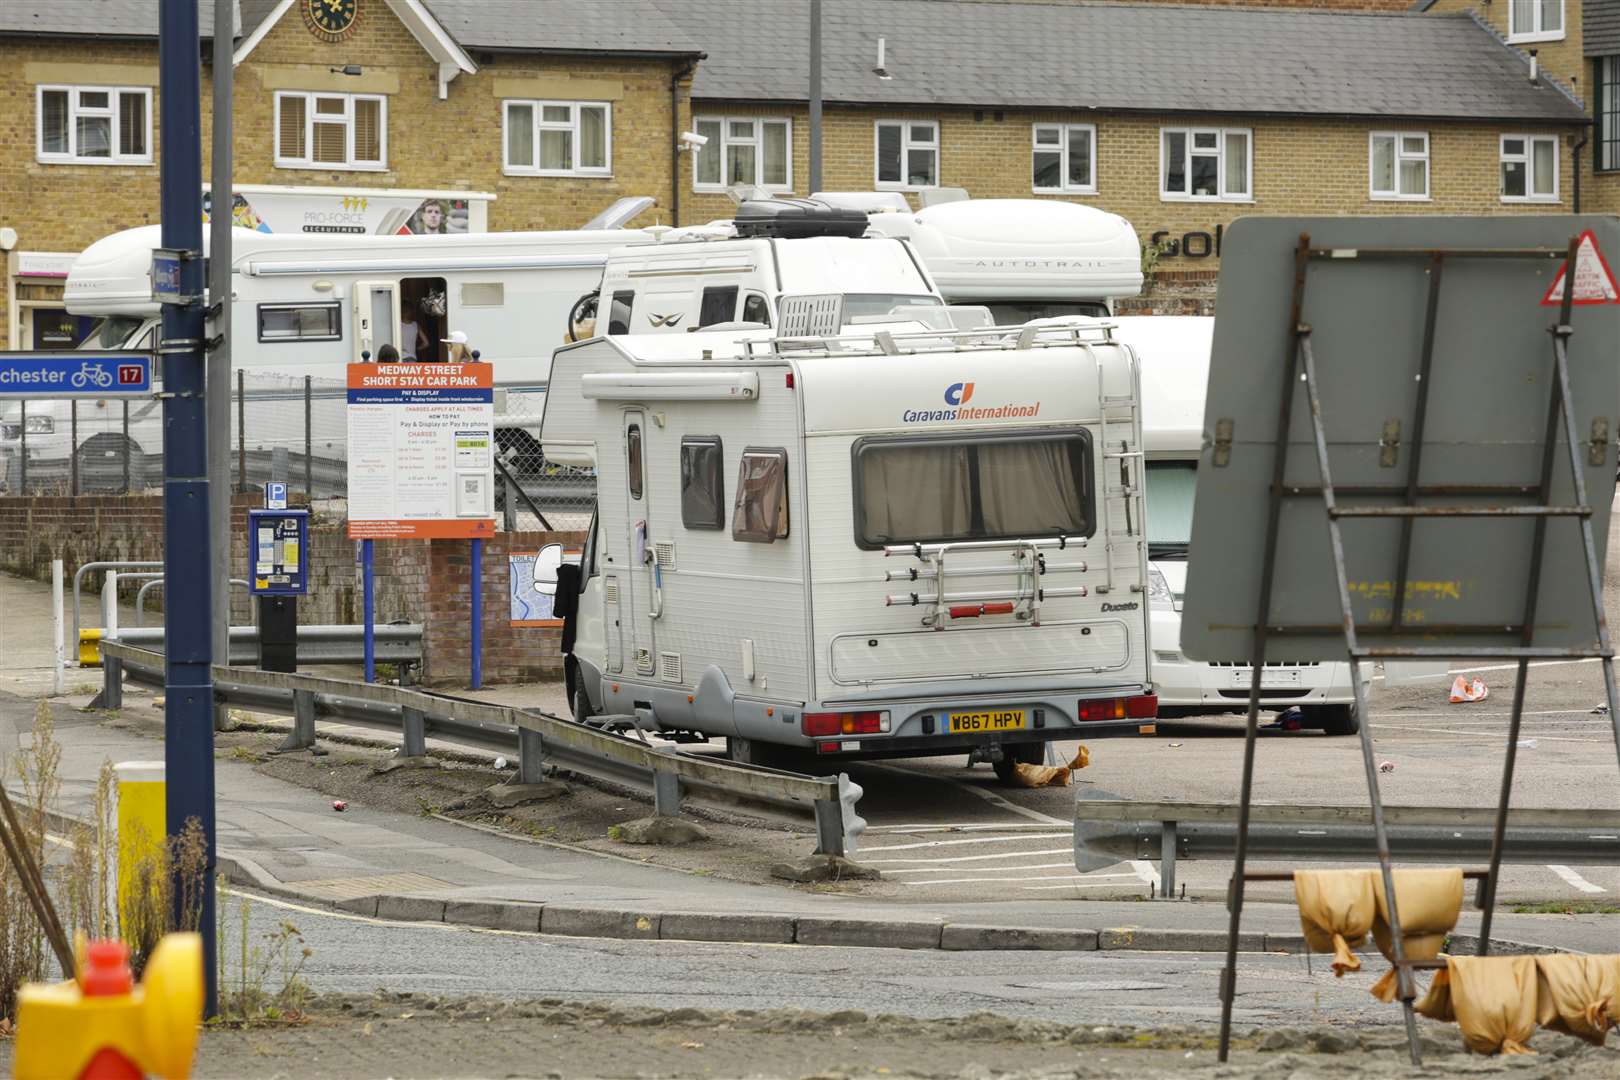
x=577, y=921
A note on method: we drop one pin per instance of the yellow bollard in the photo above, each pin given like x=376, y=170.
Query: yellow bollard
x=104, y=1027
x=142, y=829
x=90, y=647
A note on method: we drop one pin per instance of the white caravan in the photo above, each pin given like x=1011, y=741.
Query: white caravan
x=1174, y=352
x=1024, y=259
x=311, y=304
x=880, y=544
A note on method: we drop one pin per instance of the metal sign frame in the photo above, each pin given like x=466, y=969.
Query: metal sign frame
x=1554, y=498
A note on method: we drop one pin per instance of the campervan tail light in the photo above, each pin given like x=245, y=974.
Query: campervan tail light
x=1139, y=707
x=821, y=724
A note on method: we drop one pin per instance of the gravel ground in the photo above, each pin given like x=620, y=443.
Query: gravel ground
x=405, y=1035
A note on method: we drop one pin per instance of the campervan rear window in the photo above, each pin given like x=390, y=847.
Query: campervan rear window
x=619, y=313
x=761, y=513
x=300, y=322
x=993, y=487
x=703, y=495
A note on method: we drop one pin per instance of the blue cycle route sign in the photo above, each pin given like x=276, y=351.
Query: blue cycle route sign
x=80, y=373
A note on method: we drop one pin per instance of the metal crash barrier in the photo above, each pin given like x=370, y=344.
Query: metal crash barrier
x=1107, y=831
x=539, y=739
x=341, y=643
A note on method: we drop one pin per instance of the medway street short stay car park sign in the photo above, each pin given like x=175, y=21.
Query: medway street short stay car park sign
x=75, y=374
x=421, y=451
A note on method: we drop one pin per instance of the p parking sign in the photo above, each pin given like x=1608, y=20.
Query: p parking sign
x=275, y=495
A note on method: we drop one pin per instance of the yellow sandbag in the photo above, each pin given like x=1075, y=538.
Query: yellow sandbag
x=1494, y=998
x=1436, y=1004
x=1336, y=909
x=1429, y=901
x=1027, y=775
x=1578, y=995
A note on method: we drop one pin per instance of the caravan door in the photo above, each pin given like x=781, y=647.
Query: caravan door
x=639, y=593
x=376, y=318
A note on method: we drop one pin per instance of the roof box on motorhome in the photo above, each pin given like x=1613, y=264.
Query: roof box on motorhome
x=792, y=219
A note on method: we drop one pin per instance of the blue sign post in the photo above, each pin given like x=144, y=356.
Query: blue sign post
x=81, y=373
x=188, y=711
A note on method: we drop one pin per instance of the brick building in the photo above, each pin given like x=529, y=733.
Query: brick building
x=531, y=114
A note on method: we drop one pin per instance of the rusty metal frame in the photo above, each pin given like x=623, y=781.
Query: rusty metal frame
x=1301, y=365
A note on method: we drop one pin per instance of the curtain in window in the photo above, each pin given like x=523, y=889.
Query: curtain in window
x=53, y=105
x=708, y=156
x=556, y=149
x=290, y=136
x=1522, y=17
x=922, y=168
x=761, y=513
x=132, y=124
x=1030, y=489
x=592, y=138
x=1175, y=161
x=1048, y=161
x=1079, y=157
x=1170, y=488
x=93, y=133
x=1237, y=163
x=915, y=492
x=740, y=163
x=775, y=171
x=1383, y=163
x=1545, y=173
x=1552, y=16
x=520, y=136
x=368, y=131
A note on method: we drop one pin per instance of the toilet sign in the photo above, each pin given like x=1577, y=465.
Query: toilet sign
x=1594, y=281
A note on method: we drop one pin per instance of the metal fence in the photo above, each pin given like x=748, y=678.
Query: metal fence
x=283, y=427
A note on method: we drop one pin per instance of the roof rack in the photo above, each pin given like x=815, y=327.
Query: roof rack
x=889, y=343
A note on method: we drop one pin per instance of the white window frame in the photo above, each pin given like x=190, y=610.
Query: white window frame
x=1064, y=133
x=309, y=97
x=571, y=125
x=1535, y=32
x=1222, y=195
x=1400, y=155
x=113, y=112
x=758, y=143
x=1528, y=158
x=906, y=146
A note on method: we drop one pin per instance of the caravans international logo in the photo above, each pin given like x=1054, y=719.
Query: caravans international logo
x=665, y=320
x=957, y=396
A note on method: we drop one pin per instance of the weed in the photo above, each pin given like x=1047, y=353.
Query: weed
x=426, y=807
x=615, y=832
x=244, y=753
x=1568, y=907
x=244, y=998
x=84, y=688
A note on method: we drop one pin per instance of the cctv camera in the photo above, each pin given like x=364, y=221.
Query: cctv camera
x=694, y=140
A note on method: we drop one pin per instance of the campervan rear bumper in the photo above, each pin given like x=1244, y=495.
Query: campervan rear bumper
x=925, y=745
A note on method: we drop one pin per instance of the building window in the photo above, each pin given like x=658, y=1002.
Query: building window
x=1206, y=163
x=1606, y=107
x=743, y=150
x=1535, y=20
x=1529, y=168
x=94, y=125
x=907, y=154
x=1398, y=162
x=331, y=131
x=1065, y=158
x=559, y=138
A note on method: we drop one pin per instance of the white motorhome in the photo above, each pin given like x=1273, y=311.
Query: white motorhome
x=311, y=304
x=1174, y=353
x=880, y=544
x=698, y=278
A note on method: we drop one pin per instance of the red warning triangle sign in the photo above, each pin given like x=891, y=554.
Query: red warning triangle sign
x=1594, y=281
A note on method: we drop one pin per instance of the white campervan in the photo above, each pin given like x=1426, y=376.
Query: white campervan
x=1174, y=353
x=311, y=304
x=880, y=544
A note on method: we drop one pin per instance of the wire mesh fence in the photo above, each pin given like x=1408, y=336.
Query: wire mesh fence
x=283, y=427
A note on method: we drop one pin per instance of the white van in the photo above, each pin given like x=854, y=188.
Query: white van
x=878, y=545
x=311, y=304
x=1175, y=370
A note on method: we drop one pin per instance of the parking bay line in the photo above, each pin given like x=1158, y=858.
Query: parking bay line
x=1574, y=879
x=996, y=869
x=1077, y=882
x=969, y=840
x=1497, y=735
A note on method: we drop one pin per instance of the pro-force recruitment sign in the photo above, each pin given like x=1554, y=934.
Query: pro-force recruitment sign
x=421, y=451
